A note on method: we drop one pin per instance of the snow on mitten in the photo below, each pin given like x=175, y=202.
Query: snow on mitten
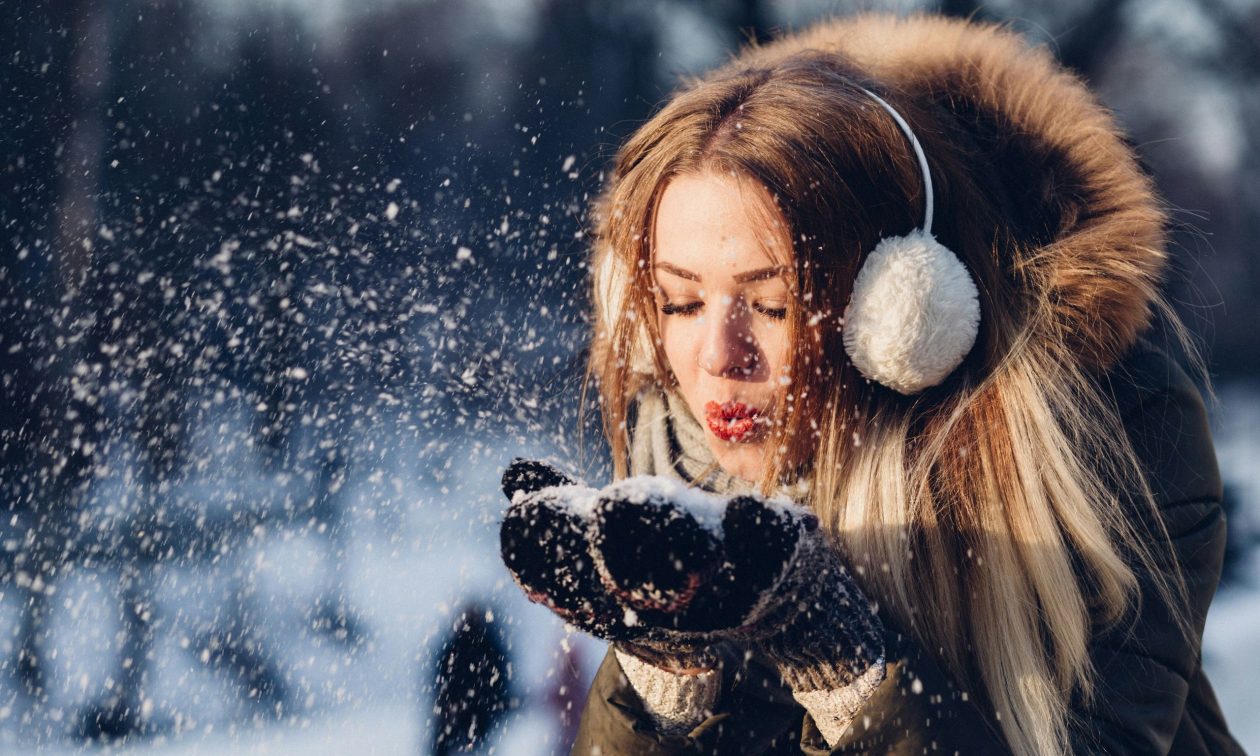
x=690, y=564
x=545, y=543
x=667, y=571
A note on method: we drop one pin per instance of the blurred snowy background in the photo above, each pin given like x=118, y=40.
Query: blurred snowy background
x=285, y=283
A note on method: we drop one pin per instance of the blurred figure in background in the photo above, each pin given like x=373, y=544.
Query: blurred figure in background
x=472, y=689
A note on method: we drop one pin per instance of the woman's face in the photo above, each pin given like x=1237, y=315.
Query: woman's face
x=721, y=254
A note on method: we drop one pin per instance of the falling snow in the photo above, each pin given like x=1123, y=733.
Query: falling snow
x=286, y=288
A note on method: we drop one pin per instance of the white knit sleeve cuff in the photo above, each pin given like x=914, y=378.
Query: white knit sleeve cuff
x=834, y=710
x=676, y=703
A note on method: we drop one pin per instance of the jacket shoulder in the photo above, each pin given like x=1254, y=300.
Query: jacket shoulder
x=1151, y=692
x=1166, y=420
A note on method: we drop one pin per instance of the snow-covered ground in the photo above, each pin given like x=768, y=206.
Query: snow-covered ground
x=1231, y=655
x=1231, y=640
x=410, y=553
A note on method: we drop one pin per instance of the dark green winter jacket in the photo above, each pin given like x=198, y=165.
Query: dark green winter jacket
x=1153, y=695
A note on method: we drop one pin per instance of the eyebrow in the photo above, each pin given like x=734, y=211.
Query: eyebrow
x=761, y=274
x=676, y=271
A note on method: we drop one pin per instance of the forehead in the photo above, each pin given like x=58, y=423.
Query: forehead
x=717, y=222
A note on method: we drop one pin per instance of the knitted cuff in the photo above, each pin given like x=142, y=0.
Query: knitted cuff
x=825, y=649
x=807, y=668
x=834, y=710
x=828, y=636
x=676, y=703
x=669, y=653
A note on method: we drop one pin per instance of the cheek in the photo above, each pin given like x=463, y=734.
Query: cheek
x=676, y=343
x=773, y=343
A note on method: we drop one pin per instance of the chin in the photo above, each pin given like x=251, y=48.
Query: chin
x=745, y=464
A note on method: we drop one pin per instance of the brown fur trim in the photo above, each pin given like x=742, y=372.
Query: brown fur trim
x=1092, y=226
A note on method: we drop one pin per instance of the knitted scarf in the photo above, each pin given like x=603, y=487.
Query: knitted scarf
x=666, y=439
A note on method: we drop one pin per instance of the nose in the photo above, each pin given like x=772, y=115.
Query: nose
x=729, y=350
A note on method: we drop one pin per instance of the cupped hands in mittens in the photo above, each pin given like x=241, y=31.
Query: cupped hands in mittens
x=666, y=571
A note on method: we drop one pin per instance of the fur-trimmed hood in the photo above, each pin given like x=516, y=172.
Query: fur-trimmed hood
x=1101, y=251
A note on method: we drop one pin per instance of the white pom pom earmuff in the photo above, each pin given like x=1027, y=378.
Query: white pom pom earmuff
x=913, y=315
x=914, y=312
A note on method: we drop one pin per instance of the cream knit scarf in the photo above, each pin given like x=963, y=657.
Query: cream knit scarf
x=666, y=439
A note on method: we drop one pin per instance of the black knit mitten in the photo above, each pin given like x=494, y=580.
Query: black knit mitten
x=546, y=542
x=667, y=571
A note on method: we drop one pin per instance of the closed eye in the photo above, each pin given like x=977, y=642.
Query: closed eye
x=775, y=313
x=685, y=310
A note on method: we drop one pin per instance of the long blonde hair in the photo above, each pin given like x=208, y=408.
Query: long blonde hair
x=987, y=515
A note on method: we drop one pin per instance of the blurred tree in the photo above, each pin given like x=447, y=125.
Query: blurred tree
x=963, y=9
x=750, y=18
x=121, y=712
x=567, y=693
x=49, y=425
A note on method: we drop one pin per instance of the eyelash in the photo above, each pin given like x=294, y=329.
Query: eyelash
x=689, y=310
x=686, y=310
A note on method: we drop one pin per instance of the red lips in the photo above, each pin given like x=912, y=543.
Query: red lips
x=731, y=421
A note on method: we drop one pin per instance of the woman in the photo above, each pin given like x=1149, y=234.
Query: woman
x=900, y=272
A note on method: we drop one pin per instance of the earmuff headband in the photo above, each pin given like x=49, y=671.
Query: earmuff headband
x=914, y=312
x=918, y=153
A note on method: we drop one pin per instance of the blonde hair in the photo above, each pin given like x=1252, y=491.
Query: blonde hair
x=987, y=515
